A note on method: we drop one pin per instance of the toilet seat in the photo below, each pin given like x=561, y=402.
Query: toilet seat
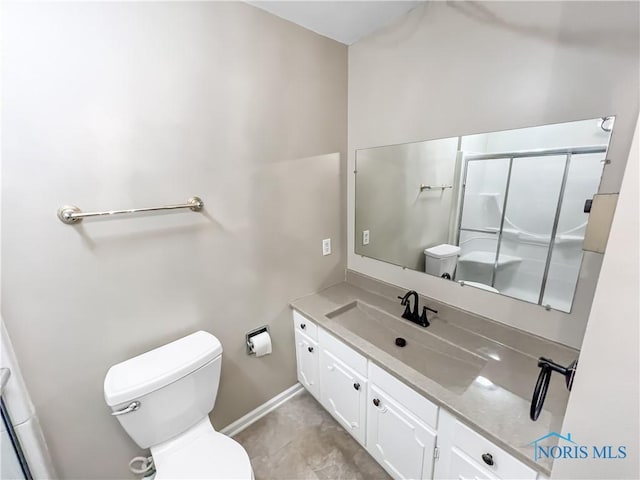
x=482, y=286
x=201, y=453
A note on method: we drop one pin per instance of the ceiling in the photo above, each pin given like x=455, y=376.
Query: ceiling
x=347, y=22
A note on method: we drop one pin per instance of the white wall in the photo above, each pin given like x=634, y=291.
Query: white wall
x=455, y=68
x=603, y=406
x=129, y=104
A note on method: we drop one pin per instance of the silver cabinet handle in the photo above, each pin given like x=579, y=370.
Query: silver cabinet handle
x=132, y=407
x=5, y=373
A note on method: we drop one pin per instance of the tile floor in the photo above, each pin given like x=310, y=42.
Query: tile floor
x=300, y=440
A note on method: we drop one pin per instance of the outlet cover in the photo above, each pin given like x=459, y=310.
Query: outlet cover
x=326, y=246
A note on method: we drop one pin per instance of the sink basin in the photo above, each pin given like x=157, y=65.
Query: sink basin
x=447, y=364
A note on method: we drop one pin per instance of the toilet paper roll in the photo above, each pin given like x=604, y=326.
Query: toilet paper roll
x=261, y=344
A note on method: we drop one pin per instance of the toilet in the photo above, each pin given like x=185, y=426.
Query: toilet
x=162, y=399
x=441, y=259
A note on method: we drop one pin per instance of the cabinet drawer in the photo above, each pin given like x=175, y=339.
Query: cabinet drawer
x=406, y=396
x=347, y=355
x=304, y=325
x=465, y=468
x=475, y=445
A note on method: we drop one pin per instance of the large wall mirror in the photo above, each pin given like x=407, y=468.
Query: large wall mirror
x=502, y=211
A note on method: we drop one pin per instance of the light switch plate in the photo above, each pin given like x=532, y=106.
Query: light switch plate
x=365, y=237
x=326, y=246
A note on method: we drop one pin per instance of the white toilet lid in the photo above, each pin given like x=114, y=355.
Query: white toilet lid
x=211, y=456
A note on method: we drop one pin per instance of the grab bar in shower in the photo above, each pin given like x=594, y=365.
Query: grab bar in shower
x=71, y=214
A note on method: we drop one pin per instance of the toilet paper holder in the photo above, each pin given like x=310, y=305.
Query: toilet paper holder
x=253, y=333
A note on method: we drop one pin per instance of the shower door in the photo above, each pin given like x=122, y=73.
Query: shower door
x=522, y=221
x=534, y=190
x=13, y=464
x=10, y=467
x=565, y=257
x=484, y=188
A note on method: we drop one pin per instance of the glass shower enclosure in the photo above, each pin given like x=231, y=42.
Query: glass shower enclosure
x=13, y=464
x=522, y=219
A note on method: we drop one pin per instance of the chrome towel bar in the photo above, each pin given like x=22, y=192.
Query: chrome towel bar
x=71, y=214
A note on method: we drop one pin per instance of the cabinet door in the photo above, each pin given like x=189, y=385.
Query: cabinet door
x=343, y=394
x=462, y=467
x=400, y=442
x=307, y=360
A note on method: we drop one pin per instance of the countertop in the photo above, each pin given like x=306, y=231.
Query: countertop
x=492, y=395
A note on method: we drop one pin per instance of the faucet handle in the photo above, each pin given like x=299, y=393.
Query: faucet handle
x=424, y=321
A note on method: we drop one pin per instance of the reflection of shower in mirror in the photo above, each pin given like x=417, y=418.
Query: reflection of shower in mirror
x=515, y=217
x=522, y=229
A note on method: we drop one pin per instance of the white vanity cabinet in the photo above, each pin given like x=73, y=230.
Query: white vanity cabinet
x=343, y=384
x=410, y=436
x=401, y=426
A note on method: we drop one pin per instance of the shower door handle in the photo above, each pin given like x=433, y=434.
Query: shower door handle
x=5, y=373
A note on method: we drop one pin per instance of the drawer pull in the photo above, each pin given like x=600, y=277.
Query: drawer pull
x=303, y=326
x=487, y=458
x=356, y=386
x=376, y=402
x=310, y=349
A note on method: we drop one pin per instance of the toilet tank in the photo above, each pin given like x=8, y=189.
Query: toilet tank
x=175, y=386
x=441, y=259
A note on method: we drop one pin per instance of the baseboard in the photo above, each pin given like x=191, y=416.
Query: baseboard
x=256, y=414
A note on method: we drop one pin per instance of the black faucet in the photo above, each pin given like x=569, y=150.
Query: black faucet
x=413, y=316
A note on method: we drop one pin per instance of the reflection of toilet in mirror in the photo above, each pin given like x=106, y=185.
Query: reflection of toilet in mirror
x=441, y=260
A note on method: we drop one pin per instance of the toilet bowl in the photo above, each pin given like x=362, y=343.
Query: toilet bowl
x=162, y=399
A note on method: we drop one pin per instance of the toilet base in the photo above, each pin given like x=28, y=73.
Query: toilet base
x=201, y=453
